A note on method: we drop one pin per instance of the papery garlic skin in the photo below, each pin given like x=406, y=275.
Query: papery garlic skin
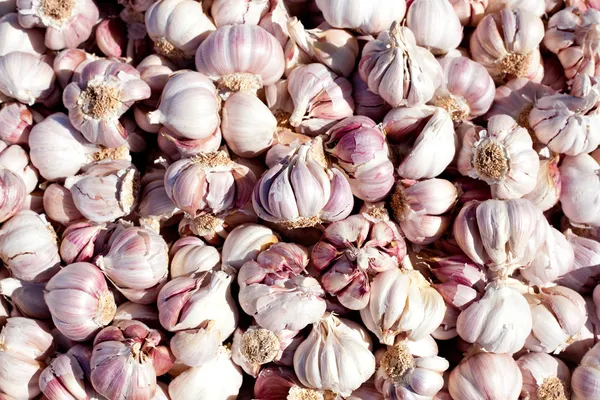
x=466, y=91
x=548, y=188
x=195, y=347
x=514, y=50
x=558, y=314
x=585, y=381
x=65, y=376
x=536, y=7
x=16, y=121
x=250, y=12
x=190, y=255
x=544, y=376
x=398, y=70
x=14, y=37
x=59, y=206
x=193, y=27
x=579, y=195
x=586, y=266
x=435, y=25
x=78, y=242
x=244, y=243
x=26, y=77
x=469, y=12
x=12, y=194
x=486, y=376
x=403, y=304
x=335, y=356
x=366, y=102
x=218, y=379
x=28, y=247
x=555, y=259
x=369, y=18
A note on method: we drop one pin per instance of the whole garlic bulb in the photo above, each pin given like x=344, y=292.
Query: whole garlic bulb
x=79, y=242
x=402, y=304
x=67, y=376
x=244, y=243
x=585, y=382
x=555, y=259
x=584, y=275
x=335, y=356
x=578, y=195
x=369, y=18
x=435, y=25
x=499, y=322
x=26, y=77
x=544, y=376
x=16, y=121
x=194, y=347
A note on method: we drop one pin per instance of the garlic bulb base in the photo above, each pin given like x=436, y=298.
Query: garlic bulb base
x=259, y=346
x=165, y=48
x=552, y=388
x=240, y=82
x=458, y=110
x=397, y=362
x=516, y=65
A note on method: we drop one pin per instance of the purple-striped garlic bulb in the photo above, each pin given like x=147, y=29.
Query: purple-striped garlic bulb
x=398, y=70
x=104, y=91
x=302, y=191
x=359, y=147
x=501, y=155
x=351, y=252
x=276, y=291
x=585, y=383
x=69, y=63
x=244, y=243
x=12, y=193
x=155, y=207
x=78, y=242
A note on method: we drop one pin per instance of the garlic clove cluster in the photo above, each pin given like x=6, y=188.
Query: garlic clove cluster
x=26, y=77
x=190, y=256
x=585, y=378
x=435, y=25
x=544, y=376
x=369, y=18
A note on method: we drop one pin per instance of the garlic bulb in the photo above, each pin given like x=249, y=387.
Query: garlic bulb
x=224, y=58
x=367, y=103
x=126, y=360
x=554, y=259
x=26, y=77
x=218, y=379
x=78, y=241
x=16, y=121
x=402, y=304
x=155, y=208
x=244, y=243
x=321, y=98
x=27, y=298
x=435, y=25
x=335, y=356
x=585, y=383
x=422, y=209
x=69, y=63
x=177, y=147
x=499, y=322
x=360, y=149
x=467, y=90
x=226, y=12
x=275, y=291
x=507, y=42
x=190, y=255
x=193, y=27
x=146, y=314
x=486, y=376
x=548, y=187
x=410, y=369
x=398, y=70
x=59, y=206
x=187, y=303
x=195, y=347
x=369, y=18
x=136, y=263
x=68, y=24
x=558, y=315
x=188, y=106
x=26, y=344
x=351, y=252
x=586, y=265
x=28, y=247
x=424, y=138
x=534, y=6
x=501, y=247
x=12, y=194
x=469, y=12
x=544, y=377
x=65, y=376
x=578, y=196
x=13, y=37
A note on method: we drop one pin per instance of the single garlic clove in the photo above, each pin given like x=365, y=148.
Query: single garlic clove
x=544, y=376
x=244, y=243
x=59, y=205
x=26, y=77
x=195, y=347
x=369, y=18
x=190, y=256
x=435, y=24
x=16, y=121
x=555, y=259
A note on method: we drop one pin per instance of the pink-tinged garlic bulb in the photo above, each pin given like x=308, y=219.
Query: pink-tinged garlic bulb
x=69, y=63
x=106, y=190
x=111, y=37
x=367, y=103
x=194, y=347
x=398, y=70
x=103, y=93
x=176, y=147
x=486, y=376
x=499, y=322
x=275, y=382
x=513, y=52
x=585, y=382
x=247, y=137
x=423, y=137
x=219, y=378
x=155, y=71
x=554, y=259
x=13, y=37
x=571, y=35
x=275, y=21
x=410, y=369
x=283, y=197
x=59, y=205
x=368, y=18
x=467, y=90
x=336, y=356
x=26, y=345
x=353, y=251
x=66, y=376
x=558, y=314
x=435, y=25
x=191, y=255
x=26, y=77
x=402, y=304
x=189, y=303
x=16, y=121
x=12, y=194
x=501, y=155
x=321, y=98
x=548, y=187
x=188, y=106
x=155, y=207
x=27, y=298
x=208, y=187
x=505, y=246
x=126, y=360
x=68, y=23
x=177, y=27
x=15, y=159
x=544, y=377
x=79, y=301
x=579, y=195
x=423, y=209
x=360, y=149
x=337, y=49
x=244, y=243
x=28, y=247
x=534, y=6
x=276, y=291
x=148, y=314
x=137, y=263
x=586, y=266
x=224, y=58
x=227, y=12
x=469, y=12
x=78, y=242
